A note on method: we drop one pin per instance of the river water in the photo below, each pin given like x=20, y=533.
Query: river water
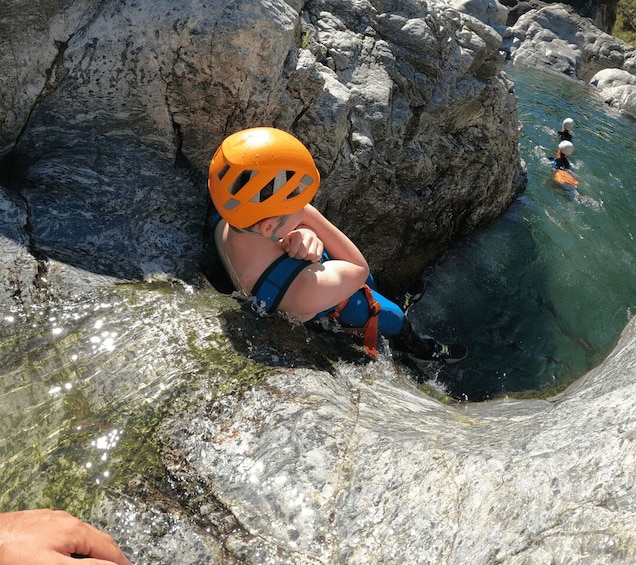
x=541, y=295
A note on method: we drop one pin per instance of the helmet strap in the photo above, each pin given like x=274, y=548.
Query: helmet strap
x=244, y=230
x=281, y=222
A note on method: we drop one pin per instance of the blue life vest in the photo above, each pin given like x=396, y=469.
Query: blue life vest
x=272, y=285
x=354, y=312
x=366, y=310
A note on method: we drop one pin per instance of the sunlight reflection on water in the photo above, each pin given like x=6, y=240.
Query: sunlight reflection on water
x=78, y=379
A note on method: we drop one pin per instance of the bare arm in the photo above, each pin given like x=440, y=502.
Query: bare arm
x=321, y=286
x=336, y=243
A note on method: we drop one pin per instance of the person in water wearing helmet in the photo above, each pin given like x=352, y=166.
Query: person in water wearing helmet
x=566, y=148
x=277, y=247
x=566, y=130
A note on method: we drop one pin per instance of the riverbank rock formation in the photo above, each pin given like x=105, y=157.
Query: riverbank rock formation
x=556, y=39
x=111, y=111
x=601, y=13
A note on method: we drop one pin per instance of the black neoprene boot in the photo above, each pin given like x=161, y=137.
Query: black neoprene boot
x=427, y=348
x=409, y=342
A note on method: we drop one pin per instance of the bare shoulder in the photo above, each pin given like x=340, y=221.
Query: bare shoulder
x=320, y=286
x=245, y=257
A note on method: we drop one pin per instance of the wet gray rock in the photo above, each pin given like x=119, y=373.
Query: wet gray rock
x=110, y=124
x=354, y=464
x=240, y=439
x=350, y=470
x=555, y=38
x=18, y=268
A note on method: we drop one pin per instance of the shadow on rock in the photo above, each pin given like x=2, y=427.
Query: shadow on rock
x=277, y=342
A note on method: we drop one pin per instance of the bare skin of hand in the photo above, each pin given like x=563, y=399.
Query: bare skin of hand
x=303, y=243
x=50, y=537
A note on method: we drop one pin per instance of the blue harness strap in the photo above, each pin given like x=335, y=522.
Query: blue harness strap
x=366, y=312
x=272, y=285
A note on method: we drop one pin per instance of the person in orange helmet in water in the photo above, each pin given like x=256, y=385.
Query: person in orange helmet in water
x=275, y=246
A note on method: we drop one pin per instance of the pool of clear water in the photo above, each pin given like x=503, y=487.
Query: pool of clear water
x=541, y=295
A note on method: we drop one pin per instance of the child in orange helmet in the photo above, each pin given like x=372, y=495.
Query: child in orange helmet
x=277, y=247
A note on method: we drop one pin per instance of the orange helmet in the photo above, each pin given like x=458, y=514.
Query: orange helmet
x=261, y=172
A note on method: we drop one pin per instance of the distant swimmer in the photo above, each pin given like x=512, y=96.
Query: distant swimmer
x=565, y=134
x=566, y=148
x=561, y=166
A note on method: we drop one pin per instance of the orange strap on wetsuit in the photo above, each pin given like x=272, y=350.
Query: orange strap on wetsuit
x=276, y=279
x=370, y=330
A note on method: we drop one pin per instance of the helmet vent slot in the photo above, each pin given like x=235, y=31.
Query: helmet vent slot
x=302, y=185
x=241, y=181
x=231, y=204
x=279, y=181
x=222, y=172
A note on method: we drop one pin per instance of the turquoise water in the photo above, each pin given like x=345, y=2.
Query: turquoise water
x=541, y=295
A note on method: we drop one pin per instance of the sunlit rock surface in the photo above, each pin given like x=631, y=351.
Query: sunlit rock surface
x=194, y=431
x=558, y=39
x=617, y=88
x=356, y=465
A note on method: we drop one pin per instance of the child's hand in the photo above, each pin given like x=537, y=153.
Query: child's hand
x=304, y=244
